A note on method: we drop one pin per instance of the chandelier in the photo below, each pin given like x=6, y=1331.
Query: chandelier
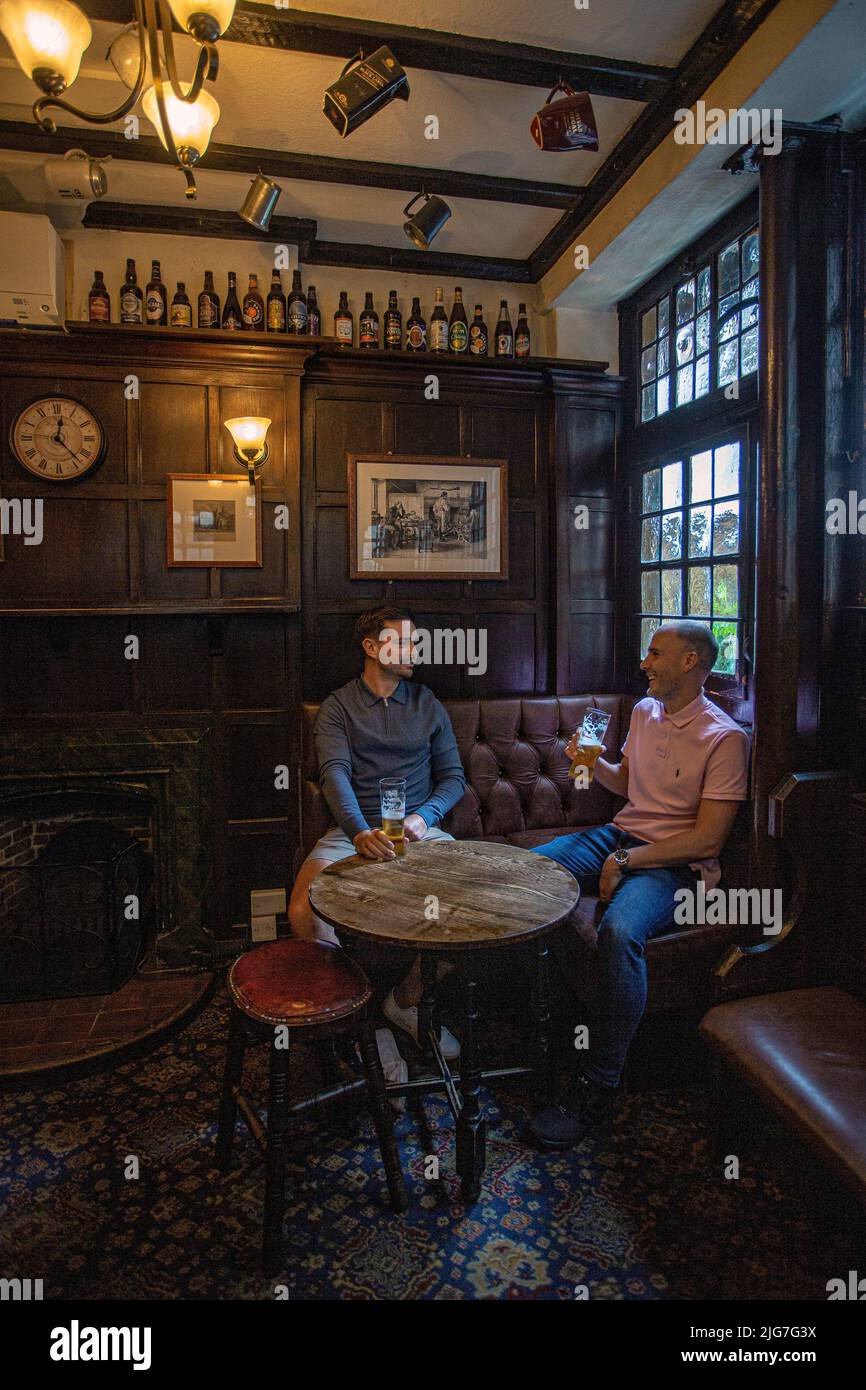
x=49, y=38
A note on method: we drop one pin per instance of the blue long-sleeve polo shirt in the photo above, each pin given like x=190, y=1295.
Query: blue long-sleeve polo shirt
x=360, y=736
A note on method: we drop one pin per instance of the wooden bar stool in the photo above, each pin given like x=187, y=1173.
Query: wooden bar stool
x=305, y=991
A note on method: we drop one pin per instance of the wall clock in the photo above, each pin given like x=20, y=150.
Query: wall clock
x=57, y=439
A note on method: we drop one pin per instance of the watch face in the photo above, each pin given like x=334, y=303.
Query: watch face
x=57, y=439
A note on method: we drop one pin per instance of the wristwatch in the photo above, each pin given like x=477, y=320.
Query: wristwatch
x=620, y=858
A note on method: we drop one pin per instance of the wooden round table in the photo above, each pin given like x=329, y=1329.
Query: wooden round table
x=455, y=898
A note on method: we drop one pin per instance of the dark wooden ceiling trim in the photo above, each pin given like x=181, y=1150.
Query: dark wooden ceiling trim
x=434, y=51
x=283, y=164
x=707, y=57
x=300, y=231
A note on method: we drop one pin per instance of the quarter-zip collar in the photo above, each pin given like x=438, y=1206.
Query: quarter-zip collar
x=400, y=694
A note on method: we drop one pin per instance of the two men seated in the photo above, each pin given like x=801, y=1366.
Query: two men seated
x=683, y=771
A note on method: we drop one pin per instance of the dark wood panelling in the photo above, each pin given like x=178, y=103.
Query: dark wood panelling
x=588, y=450
x=502, y=431
x=331, y=561
x=525, y=573
x=591, y=640
x=157, y=581
x=250, y=400
x=64, y=667
x=253, y=753
x=271, y=581
x=83, y=558
x=175, y=663
x=105, y=398
x=428, y=427
x=173, y=430
x=253, y=861
x=254, y=651
x=342, y=427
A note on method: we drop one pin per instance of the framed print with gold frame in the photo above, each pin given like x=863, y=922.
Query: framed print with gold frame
x=212, y=520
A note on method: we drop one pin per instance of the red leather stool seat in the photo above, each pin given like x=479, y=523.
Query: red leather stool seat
x=298, y=983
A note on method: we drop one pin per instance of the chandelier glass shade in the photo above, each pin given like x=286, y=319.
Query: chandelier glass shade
x=48, y=38
x=190, y=124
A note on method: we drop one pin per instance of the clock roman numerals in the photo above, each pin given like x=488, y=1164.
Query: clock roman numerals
x=57, y=439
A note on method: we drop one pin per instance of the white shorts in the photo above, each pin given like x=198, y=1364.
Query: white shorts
x=336, y=845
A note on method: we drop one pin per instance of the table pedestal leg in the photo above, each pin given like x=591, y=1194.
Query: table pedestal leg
x=541, y=1040
x=471, y=1127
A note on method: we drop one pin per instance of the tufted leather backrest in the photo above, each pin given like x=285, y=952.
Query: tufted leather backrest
x=513, y=753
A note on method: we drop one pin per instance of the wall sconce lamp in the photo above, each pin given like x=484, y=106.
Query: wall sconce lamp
x=249, y=433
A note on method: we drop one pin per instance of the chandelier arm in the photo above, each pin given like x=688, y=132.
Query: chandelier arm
x=207, y=65
x=156, y=73
x=98, y=118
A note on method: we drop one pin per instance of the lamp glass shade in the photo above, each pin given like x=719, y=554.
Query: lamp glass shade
x=47, y=34
x=124, y=54
x=219, y=11
x=191, y=123
x=249, y=433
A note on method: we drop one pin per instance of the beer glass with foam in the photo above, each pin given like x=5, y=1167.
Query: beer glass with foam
x=392, y=794
x=590, y=742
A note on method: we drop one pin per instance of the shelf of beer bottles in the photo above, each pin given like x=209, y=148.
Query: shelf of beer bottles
x=204, y=335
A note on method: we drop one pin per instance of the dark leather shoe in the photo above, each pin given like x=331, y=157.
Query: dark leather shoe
x=585, y=1104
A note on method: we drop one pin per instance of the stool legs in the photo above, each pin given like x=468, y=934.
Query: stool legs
x=471, y=1127
x=231, y=1081
x=275, y=1159
x=426, y=1007
x=542, y=1021
x=382, y=1118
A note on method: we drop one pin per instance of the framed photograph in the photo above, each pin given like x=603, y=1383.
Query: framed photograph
x=417, y=517
x=212, y=519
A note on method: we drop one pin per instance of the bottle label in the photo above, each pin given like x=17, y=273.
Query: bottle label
x=343, y=329
x=298, y=316
x=504, y=344
x=181, y=316
x=439, y=335
x=232, y=321
x=314, y=324
x=521, y=345
x=130, y=308
x=155, y=305
x=367, y=335
x=276, y=315
x=458, y=336
x=253, y=314
x=477, y=341
x=392, y=332
x=99, y=311
x=417, y=338
x=207, y=312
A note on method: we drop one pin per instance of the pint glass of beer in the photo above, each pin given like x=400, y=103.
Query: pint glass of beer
x=590, y=742
x=392, y=793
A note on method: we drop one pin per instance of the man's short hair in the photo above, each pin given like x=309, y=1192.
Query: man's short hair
x=698, y=639
x=371, y=623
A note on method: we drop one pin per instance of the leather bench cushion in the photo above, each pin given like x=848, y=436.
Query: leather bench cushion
x=804, y=1051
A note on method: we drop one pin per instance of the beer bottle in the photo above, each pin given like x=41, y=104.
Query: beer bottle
x=344, y=323
x=478, y=334
x=368, y=324
x=393, y=324
x=181, y=309
x=438, y=325
x=208, y=304
x=254, y=306
x=276, y=304
x=416, y=329
x=232, y=312
x=458, y=329
x=522, y=342
x=314, y=317
x=131, y=297
x=297, y=306
x=504, y=333
x=99, y=300
x=156, y=301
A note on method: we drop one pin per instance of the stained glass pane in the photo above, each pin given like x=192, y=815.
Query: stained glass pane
x=672, y=485
x=703, y=338
x=729, y=327
x=704, y=288
x=749, y=352
x=685, y=302
x=750, y=291
x=672, y=536
x=726, y=528
x=649, y=539
x=648, y=364
x=750, y=255
x=749, y=316
x=647, y=628
x=699, y=591
x=664, y=314
x=648, y=326
x=650, y=596
x=652, y=490
x=664, y=394
x=664, y=355
x=700, y=525
x=647, y=403
x=702, y=476
x=672, y=591
x=685, y=385
x=685, y=344
x=729, y=648
x=727, y=304
x=728, y=262
x=729, y=361
x=702, y=376
x=726, y=598
x=727, y=469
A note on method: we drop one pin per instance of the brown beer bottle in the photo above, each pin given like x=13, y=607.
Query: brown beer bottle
x=156, y=299
x=254, y=307
x=458, y=328
x=344, y=322
x=208, y=304
x=232, y=312
x=181, y=309
x=368, y=324
x=314, y=317
x=438, y=325
x=522, y=345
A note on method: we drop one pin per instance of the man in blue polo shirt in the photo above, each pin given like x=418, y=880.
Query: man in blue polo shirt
x=382, y=724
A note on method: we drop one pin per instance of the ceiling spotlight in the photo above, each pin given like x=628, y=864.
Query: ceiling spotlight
x=359, y=94
x=427, y=222
x=258, y=206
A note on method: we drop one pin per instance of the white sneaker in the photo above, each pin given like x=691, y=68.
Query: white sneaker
x=395, y=1068
x=407, y=1019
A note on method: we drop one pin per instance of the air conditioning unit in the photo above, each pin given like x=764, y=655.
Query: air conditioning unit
x=32, y=275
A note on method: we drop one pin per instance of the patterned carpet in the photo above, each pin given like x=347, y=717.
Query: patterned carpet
x=638, y=1215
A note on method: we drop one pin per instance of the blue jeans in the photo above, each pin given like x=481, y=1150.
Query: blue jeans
x=642, y=907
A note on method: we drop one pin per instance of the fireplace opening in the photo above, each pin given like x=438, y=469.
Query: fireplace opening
x=78, y=906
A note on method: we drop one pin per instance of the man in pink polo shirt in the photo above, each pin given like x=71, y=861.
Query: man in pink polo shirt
x=684, y=771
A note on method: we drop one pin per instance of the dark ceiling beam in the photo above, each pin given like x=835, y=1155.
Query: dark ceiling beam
x=708, y=56
x=282, y=164
x=300, y=231
x=463, y=55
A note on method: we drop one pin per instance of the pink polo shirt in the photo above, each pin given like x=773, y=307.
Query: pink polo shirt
x=676, y=760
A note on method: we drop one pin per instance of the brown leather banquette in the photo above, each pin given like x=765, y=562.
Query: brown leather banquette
x=519, y=792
